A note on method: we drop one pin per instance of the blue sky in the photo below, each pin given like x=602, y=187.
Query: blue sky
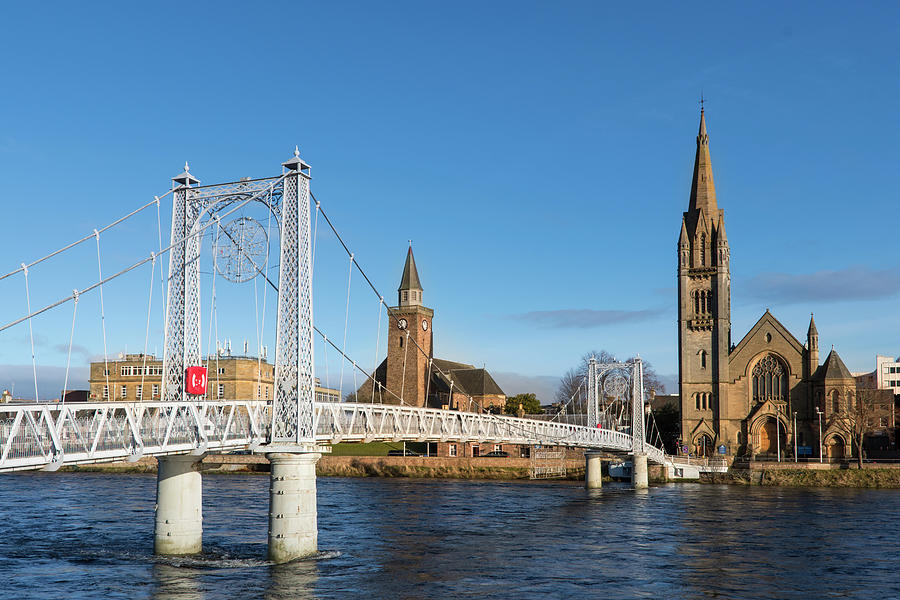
x=538, y=156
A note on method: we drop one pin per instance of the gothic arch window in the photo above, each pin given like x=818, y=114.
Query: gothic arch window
x=702, y=249
x=401, y=341
x=697, y=401
x=835, y=401
x=769, y=380
x=702, y=359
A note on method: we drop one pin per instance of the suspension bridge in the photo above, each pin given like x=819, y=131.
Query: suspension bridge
x=291, y=428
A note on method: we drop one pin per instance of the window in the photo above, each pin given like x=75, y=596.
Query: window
x=267, y=392
x=405, y=296
x=703, y=359
x=452, y=450
x=139, y=392
x=258, y=392
x=697, y=401
x=220, y=370
x=476, y=451
x=498, y=448
x=106, y=392
x=769, y=380
x=124, y=391
x=401, y=341
x=220, y=392
x=835, y=401
x=702, y=249
x=154, y=392
x=125, y=370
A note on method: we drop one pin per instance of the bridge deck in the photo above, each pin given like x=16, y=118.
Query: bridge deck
x=47, y=436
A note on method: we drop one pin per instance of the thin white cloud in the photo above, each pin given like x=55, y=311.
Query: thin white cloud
x=853, y=283
x=586, y=317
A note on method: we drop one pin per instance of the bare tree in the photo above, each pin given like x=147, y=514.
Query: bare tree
x=870, y=410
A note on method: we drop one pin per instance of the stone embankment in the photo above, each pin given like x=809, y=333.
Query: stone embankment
x=872, y=475
x=358, y=466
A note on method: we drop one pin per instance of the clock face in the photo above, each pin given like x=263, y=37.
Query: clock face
x=424, y=325
x=402, y=324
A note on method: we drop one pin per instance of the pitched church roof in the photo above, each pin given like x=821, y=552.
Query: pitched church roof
x=833, y=368
x=410, y=279
x=467, y=380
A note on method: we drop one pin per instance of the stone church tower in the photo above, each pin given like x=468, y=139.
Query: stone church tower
x=410, y=341
x=704, y=298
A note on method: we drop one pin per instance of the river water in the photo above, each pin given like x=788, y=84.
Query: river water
x=82, y=535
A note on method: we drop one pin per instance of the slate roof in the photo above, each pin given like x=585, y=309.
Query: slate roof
x=410, y=279
x=833, y=368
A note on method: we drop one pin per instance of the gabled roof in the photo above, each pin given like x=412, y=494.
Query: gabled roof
x=449, y=365
x=833, y=368
x=767, y=318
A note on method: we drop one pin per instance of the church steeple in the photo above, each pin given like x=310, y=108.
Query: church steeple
x=703, y=190
x=410, y=291
x=812, y=346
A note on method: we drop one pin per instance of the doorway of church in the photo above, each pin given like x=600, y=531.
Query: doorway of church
x=768, y=442
x=703, y=446
x=834, y=448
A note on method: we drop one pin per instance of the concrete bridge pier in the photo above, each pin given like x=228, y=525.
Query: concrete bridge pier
x=179, y=505
x=293, y=527
x=639, y=478
x=593, y=479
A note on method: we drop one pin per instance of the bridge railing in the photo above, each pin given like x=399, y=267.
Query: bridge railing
x=49, y=435
x=37, y=435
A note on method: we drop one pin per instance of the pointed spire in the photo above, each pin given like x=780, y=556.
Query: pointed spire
x=703, y=191
x=409, y=283
x=720, y=230
x=812, y=327
x=683, y=239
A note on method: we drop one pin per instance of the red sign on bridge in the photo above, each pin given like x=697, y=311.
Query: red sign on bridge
x=195, y=381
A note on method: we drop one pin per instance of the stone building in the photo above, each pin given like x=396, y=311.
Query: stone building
x=410, y=374
x=138, y=377
x=744, y=398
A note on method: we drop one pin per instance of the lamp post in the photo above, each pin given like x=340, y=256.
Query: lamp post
x=778, y=433
x=819, y=412
x=795, y=436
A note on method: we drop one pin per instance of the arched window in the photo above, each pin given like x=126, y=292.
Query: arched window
x=401, y=341
x=703, y=359
x=702, y=249
x=835, y=401
x=769, y=380
x=740, y=438
x=697, y=401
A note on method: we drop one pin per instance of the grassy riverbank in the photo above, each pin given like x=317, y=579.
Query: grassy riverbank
x=834, y=478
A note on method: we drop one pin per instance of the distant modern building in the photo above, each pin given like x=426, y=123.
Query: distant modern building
x=138, y=377
x=762, y=395
x=887, y=373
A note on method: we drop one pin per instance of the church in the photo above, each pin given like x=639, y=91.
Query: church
x=410, y=374
x=767, y=392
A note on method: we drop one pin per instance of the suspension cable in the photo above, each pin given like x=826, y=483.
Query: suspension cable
x=71, y=341
x=147, y=331
x=346, y=327
x=139, y=263
x=30, y=331
x=84, y=239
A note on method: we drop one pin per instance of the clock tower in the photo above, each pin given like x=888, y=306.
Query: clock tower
x=410, y=338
